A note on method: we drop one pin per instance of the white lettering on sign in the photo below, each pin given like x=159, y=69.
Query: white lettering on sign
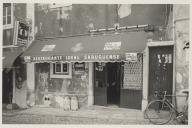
x=72, y=57
x=101, y=57
x=112, y=46
x=27, y=58
x=132, y=57
x=48, y=58
x=48, y=48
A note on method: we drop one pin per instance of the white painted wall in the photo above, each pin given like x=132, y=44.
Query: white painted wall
x=30, y=11
x=90, y=88
x=145, y=78
x=31, y=76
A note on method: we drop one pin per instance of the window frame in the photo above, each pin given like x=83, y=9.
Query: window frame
x=8, y=26
x=61, y=74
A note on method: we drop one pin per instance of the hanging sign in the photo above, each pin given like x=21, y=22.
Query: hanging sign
x=21, y=33
x=131, y=57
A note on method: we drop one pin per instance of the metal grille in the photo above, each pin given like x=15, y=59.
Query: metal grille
x=133, y=73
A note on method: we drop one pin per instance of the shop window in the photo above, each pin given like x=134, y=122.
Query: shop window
x=7, y=15
x=61, y=70
x=133, y=75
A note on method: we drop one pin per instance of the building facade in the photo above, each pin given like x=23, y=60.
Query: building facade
x=104, y=55
x=17, y=36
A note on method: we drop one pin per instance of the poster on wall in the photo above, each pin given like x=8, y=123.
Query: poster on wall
x=131, y=57
x=79, y=67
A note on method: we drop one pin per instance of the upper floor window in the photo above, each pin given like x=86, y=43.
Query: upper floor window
x=7, y=15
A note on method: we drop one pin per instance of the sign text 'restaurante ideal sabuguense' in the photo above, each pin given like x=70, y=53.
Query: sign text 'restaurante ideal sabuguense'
x=86, y=57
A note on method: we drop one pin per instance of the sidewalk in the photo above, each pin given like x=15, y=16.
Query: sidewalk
x=91, y=115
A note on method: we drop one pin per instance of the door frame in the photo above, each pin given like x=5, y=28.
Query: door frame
x=146, y=69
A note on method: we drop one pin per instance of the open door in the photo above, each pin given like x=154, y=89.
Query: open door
x=100, y=84
x=113, y=83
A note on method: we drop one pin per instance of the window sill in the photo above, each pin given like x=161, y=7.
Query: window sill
x=60, y=76
x=10, y=26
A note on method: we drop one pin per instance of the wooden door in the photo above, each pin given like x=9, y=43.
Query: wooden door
x=100, y=84
x=160, y=70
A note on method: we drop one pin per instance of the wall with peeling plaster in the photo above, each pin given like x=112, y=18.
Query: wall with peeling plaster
x=181, y=18
x=80, y=18
x=180, y=29
x=57, y=88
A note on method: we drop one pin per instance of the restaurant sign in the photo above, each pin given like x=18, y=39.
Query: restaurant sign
x=21, y=33
x=85, y=57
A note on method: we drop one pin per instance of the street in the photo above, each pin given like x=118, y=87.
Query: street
x=91, y=115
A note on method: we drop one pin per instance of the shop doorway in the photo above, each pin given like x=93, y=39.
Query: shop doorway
x=7, y=86
x=161, y=70
x=113, y=88
x=107, y=84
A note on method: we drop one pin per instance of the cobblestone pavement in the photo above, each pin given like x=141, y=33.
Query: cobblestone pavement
x=91, y=115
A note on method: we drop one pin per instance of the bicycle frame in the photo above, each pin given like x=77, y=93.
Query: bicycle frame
x=165, y=106
x=173, y=108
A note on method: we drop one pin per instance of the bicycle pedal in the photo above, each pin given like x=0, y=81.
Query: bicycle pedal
x=179, y=116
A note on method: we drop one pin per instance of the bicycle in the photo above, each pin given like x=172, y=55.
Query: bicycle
x=161, y=110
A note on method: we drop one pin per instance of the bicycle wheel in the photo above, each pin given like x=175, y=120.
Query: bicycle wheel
x=158, y=112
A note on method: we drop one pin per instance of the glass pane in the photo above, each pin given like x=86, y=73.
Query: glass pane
x=4, y=11
x=65, y=69
x=57, y=67
x=8, y=19
x=4, y=20
x=9, y=10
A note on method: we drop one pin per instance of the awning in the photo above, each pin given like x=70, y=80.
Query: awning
x=97, y=48
x=9, y=56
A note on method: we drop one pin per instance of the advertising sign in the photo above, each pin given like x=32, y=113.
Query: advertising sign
x=131, y=57
x=21, y=33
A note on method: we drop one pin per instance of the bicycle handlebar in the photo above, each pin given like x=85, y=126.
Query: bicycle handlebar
x=163, y=94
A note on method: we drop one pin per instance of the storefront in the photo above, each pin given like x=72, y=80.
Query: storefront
x=10, y=66
x=95, y=69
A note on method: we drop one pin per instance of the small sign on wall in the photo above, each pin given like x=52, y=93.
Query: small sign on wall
x=131, y=57
x=79, y=67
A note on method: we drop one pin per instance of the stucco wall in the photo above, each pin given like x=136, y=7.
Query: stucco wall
x=181, y=23
x=181, y=18
x=80, y=18
x=59, y=87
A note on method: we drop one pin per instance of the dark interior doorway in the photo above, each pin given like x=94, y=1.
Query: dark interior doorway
x=107, y=84
x=7, y=86
x=113, y=88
